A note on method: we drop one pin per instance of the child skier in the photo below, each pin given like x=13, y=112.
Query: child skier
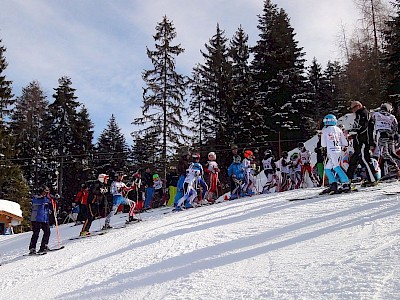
x=334, y=140
x=285, y=165
x=269, y=170
x=236, y=173
x=213, y=170
x=305, y=160
x=248, y=169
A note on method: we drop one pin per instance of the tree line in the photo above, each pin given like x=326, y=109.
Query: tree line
x=256, y=96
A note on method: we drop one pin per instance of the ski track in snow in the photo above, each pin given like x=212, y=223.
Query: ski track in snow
x=344, y=246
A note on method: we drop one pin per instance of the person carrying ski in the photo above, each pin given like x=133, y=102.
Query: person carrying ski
x=385, y=128
x=96, y=196
x=333, y=140
x=362, y=135
x=269, y=167
x=236, y=173
x=212, y=170
x=41, y=209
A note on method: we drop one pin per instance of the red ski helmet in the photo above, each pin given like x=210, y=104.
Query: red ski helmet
x=248, y=153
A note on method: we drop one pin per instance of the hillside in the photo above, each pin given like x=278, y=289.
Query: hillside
x=265, y=247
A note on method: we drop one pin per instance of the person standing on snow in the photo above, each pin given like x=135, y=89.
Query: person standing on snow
x=96, y=196
x=212, y=170
x=333, y=140
x=247, y=167
x=183, y=165
x=386, y=127
x=269, y=170
x=118, y=187
x=236, y=173
x=362, y=136
x=41, y=209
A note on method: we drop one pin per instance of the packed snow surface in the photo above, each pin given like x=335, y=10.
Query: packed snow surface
x=343, y=246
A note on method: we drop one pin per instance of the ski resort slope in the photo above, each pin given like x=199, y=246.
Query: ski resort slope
x=343, y=246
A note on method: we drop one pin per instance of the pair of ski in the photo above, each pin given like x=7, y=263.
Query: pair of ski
x=43, y=253
x=339, y=192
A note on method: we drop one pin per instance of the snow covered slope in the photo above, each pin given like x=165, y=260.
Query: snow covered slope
x=264, y=247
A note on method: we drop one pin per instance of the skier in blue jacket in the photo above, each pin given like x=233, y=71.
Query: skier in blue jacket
x=236, y=172
x=41, y=208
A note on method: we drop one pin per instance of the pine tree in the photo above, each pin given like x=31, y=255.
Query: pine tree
x=6, y=96
x=392, y=56
x=212, y=92
x=163, y=98
x=278, y=79
x=112, y=151
x=64, y=147
x=27, y=126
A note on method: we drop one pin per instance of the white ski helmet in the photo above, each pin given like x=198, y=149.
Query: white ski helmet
x=212, y=156
x=103, y=177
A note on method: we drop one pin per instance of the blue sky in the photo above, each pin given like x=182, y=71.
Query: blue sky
x=101, y=44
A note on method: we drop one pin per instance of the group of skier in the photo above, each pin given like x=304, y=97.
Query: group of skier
x=372, y=139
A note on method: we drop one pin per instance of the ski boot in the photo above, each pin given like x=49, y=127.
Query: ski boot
x=332, y=189
x=45, y=249
x=106, y=226
x=346, y=188
x=84, y=233
x=32, y=251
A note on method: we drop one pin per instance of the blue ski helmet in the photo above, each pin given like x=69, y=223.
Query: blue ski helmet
x=330, y=120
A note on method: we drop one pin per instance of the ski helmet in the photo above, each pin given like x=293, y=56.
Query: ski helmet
x=284, y=154
x=300, y=145
x=103, y=177
x=294, y=156
x=386, y=107
x=248, y=153
x=330, y=120
x=237, y=159
x=212, y=156
x=196, y=156
x=155, y=176
x=267, y=152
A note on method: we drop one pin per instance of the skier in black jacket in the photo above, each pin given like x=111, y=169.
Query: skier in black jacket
x=362, y=135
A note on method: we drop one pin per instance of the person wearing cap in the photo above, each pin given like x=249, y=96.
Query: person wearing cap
x=41, y=207
x=386, y=129
x=362, y=135
x=96, y=196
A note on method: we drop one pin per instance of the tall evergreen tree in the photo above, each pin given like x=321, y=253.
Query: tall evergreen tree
x=64, y=146
x=163, y=98
x=278, y=77
x=6, y=95
x=112, y=150
x=213, y=93
x=239, y=125
x=27, y=126
x=392, y=56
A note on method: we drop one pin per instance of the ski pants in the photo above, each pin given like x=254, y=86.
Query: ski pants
x=361, y=155
x=117, y=201
x=36, y=226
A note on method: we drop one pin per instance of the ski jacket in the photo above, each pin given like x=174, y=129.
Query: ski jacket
x=237, y=170
x=305, y=157
x=41, y=207
x=363, y=127
x=212, y=167
x=269, y=163
x=96, y=192
x=117, y=187
x=285, y=164
x=385, y=122
x=333, y=139
x=82, y=197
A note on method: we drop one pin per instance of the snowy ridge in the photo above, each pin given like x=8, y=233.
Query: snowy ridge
x=344, y=246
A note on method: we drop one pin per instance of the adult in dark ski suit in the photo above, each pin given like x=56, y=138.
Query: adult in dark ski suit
x=362, y=135
x=41, y=208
